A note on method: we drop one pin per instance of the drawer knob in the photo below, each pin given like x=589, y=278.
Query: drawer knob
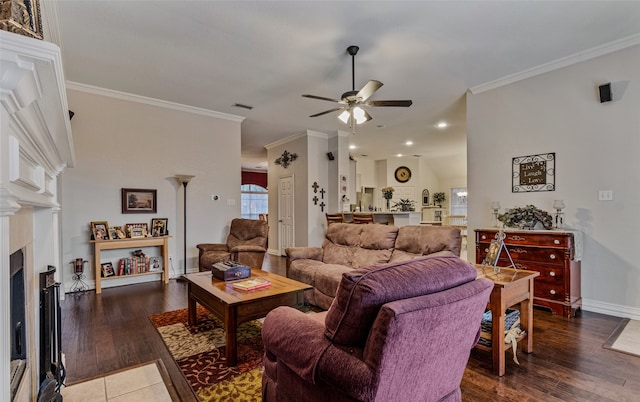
x=552, y=273
x=553, y=292
x=486, y=250
x=484, y=237
x=556, y=241
x=552, y=256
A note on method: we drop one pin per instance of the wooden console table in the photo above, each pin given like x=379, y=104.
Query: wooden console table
x=510, y=287
x=99, y=245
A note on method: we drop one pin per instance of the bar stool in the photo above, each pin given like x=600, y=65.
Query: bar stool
x=363, y=218
x=335, y=218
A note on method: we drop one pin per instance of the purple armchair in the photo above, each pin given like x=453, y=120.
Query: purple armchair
x=396, y=332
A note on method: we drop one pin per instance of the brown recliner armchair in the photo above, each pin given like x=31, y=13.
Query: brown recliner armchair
x=246, y=244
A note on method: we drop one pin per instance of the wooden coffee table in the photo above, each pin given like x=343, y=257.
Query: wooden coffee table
x=233, y=307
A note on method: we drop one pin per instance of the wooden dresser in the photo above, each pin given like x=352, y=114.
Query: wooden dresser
x=552, y=253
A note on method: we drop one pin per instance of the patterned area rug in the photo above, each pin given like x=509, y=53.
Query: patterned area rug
x=200, y=353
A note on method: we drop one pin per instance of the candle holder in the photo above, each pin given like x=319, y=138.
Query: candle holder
x=558, y=205
x=79, y=285
x=495, y=206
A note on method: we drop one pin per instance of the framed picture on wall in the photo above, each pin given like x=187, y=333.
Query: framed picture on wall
x=533, y=173
x=139, y=201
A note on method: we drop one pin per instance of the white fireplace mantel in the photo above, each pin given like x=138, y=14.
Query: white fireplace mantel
x=35, y=147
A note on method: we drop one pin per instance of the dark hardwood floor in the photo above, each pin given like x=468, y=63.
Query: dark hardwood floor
x=108, y=332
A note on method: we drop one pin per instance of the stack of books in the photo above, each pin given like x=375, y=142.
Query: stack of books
x=252, y=284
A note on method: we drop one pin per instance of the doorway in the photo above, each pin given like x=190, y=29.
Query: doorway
x=286, y=232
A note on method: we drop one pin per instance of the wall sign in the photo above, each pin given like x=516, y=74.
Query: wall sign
x=534, y=173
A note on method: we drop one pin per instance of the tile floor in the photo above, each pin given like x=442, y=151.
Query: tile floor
x=143, y=383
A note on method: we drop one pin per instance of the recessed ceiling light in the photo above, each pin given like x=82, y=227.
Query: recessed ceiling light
x=380, y=125
x=399, y=155
x=352, y=146
x=409, y=142
x=442, y=124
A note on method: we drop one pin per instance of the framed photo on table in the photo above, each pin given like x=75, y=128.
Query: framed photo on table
x=139, y=201
x=159, y=227
x=107, y=269
x=135, y=230
x=100, y=230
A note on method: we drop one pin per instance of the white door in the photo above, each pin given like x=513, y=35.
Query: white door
x=285, y=213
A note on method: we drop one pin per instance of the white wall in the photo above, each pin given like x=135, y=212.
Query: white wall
x=596, y=146
x=312, y=165
x=120, y=143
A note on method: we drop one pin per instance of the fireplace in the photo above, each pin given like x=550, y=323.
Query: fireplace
x=35, y=134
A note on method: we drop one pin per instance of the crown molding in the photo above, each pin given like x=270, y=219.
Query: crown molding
x=151, y=101
x=285, y=140
x=559, y=63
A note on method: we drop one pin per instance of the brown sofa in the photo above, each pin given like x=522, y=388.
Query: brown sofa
x=350, y=246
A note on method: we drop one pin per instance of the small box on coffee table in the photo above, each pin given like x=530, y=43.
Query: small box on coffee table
x=230, y=270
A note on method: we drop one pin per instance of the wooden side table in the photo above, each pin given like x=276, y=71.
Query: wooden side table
x=510, y=287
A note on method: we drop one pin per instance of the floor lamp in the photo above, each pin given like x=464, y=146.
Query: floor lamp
x=184, y=180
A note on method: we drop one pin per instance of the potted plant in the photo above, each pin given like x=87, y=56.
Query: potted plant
x=438, y=198
x=405, y=205
x=387, y=194
x=528, y=217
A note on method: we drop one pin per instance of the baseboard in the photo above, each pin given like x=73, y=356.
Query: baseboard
x=273, y=251
x=615, y=310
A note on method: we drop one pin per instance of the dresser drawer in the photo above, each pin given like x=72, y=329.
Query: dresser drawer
x=548, y=273
x=523, y=253
x=541, y=239
x=548, y=291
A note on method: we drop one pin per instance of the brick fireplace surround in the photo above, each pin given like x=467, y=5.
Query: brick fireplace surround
x=35, y=147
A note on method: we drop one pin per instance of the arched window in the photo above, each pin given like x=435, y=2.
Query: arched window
x=255, y=201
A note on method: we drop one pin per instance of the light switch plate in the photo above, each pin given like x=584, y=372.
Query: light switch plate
x=605, y=195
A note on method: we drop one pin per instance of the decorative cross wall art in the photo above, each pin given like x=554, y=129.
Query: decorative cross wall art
x=322, y=191
x=315, y=200
x=322, y=205
x=286, y=158
x=534, y=173
x=315, y=186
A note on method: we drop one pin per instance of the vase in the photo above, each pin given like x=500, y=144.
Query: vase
x=388, y=204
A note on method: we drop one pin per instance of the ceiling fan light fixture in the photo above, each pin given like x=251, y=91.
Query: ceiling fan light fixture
x=360, y=115
x=344, y=116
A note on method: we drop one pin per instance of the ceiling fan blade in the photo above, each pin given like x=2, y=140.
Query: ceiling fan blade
x=368, y=90
x=321, y=98
x=400, y=103
x=326, y=111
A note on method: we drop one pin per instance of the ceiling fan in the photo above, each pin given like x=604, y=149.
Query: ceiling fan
x=351, y=101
